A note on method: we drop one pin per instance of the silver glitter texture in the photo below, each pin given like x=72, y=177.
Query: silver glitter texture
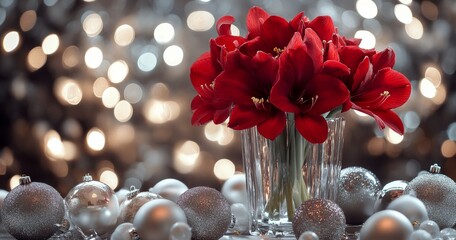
x=208, y=212
x=438, y=193
x=321, y=216
x=130, y=207
x=357, y=193
x=31, y=211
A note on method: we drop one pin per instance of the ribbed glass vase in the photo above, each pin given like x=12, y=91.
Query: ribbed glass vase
x=284, y=172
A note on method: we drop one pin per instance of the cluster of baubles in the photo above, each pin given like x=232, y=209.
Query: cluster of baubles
x=92, y=210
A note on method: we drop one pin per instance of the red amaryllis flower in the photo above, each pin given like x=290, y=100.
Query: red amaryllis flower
x=307, y=87
x=375, y=88
x=247, y=83
x=206, y=106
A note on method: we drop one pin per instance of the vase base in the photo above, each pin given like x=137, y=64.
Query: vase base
x=281, y=228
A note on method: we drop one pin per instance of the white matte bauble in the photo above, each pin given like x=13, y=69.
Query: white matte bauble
x=308, y=235
x=234, y=189
x=180, y=231
x=122, y=232
x=154, y=219
x=122, y=195
x=386, y=225
x=420, y=235
x=412, y=208
x=169, y=188
x=241, y=219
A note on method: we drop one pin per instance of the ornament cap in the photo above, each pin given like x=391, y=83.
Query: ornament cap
x=435, y=168
x=87, y=178
x=133, y=234
x=133, y=192
x=24, y=180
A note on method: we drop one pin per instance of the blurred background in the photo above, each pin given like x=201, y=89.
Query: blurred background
x=102, y=87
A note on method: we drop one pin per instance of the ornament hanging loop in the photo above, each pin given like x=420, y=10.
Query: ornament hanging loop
x=24, y=180
x=133, y=192
x=87, y=178
x=435, y=168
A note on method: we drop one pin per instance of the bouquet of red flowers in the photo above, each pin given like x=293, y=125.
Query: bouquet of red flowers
x=301, y=68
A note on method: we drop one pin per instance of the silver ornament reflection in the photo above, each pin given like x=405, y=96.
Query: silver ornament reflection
x=438, y=193
x=122, y=232
x=386, y=225
x=180, y=231
x=241, y=218
x=92, y=207
x=308, y=235
x=321, y=216
x=208, y=212
x=420, y=235
x=130, y=206
x=431, y=227
x=412, y=208
x=448, y=234
x=154, y=220
x=388, y=193
x=31, y=210
x=234, y=189
x=169, y=188
x=357, y=193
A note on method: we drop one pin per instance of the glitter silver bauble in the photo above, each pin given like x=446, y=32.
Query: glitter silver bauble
x=357, y=193
x=321, y=216
x=412, y=208
x=208, y=212
x=234, y=189
x=31, y=210
x=438, y=193
x=386, y=225
x=431, y=227
x=241, y=217
x=169, y=188
x=180, y=231
x=134, y=201
x=154, y=220
x=92, y=207
x=308, y=235
x=420, y=235
x=122, y=232
x=388, y=193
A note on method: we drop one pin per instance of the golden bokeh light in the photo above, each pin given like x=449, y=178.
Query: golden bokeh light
x=36, y=59
x=224, y=169
x=95, y=139
x=27, y=20
x=50, y=44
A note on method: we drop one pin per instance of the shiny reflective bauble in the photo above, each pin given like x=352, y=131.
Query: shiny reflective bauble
x=122, y=195
x=308, y=235
x=169, y=188
x=386, y=225
x=154, y=220
x=412, y=208
x=32, y=210
x=130, y=207
x=241, y=216
x=448, y=234
x=431, y=227
x=93, y=206
x=357, y=194
x=180, y=231
x=122, y=231
x=234, y=189
x=438, y=193
x=321, y=216
x=3, y=194
x=208, y=212
x=420, y=235
x=388, y=193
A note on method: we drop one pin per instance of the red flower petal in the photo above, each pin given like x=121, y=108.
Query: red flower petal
x=242, y=118
x=384, y=118
x=298, y=22
x=314, y=48
x=330, y=92
x=273, y=126
x=363, y=76
x=335, y=68
x=224, y=25
x=323, y=26
x=203, y=71
x=275, y=33
x=383, y=59
x=255, y=18
x=312, y=127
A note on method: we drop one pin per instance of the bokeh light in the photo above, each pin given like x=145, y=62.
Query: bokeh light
x=27, y=20
x=124, y=35
x=164, y=33
x=95, y=139
x=173, y=55
x=36, y=59
x=93, y=57
x=11, y=41
x=92, y=24
x=110, y=178
x=366, y=8
x=123, y=111
x=403, y=13
x=200, y=21
x=50, y=44
x=118, y=71
x=414, y=29
x=110, y=97
x=186, y=157
x=368, y=40
x=224, y=169
x=147, y=62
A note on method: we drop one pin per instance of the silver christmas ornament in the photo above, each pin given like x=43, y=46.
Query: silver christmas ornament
x=92, y=207
x=357, y=194
x=386, y=225
x=122, y=195
x=3, y=194
x=308, y=235
x=122, y=232
x=241, y=219
x=412, y=208
x=234, y=189
x=448, y=234
x=431, y=227
x=438, y=193
x=31, y=210
x=135, y=200
x=180, y=231
x=389, y=192
x=321, y=216
x=420, y=235
x=169, y=188
x=154, y=220
x=208, y=212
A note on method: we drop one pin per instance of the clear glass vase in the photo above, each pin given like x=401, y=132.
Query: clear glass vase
x=284, y=172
